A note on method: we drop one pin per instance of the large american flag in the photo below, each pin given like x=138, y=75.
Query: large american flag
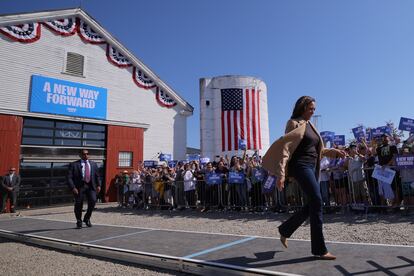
x=240, y=118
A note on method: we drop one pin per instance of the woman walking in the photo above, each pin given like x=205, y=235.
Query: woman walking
x=297, y=154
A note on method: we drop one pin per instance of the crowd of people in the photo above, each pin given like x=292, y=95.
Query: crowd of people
x=344, y=183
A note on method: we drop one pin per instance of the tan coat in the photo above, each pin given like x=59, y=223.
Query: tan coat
x=276, y=159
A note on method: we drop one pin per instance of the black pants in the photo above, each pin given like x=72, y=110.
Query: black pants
x=7, y=194
x=211, y=192
x=90, y=194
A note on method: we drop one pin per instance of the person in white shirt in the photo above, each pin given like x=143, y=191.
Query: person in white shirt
x=189, y=185
x=355, y=165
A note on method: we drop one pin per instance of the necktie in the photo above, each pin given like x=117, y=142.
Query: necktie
x=87, y=173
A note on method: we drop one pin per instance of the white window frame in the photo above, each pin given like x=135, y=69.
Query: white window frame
x=122, y=159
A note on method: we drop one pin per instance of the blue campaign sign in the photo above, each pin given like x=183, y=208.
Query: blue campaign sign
x=236, y=178
x=359, y=133
x=193, y=157
x=165, y=157
x=172, y=163
x=381, y=130
x=406, y=124
x=150, y=163
x=327, y=136
x=213, y=179
x=339, y=140
x=405, y=161
x=376, y=132
x=258, y=175
x=62, y=97
x=269, y=184
x=204, y=160
x=242, y=144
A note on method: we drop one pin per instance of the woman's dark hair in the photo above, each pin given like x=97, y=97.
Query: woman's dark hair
x=301, y=105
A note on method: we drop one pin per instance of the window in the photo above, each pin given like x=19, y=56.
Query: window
x=74, y=64
x=125, y=159
x=61, y=133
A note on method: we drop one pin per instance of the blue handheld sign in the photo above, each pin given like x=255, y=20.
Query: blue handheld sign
x=258, y=175
x=359, y=133
x=236, y=178
x=269, y=184
x=339, y=140
x=406, y=124
x=150, y=163
x=405, y=161
x=172, y=163
x=327, y=136
x=193, y=157
x=165, y=157
x=213, y=179
x=242, y=144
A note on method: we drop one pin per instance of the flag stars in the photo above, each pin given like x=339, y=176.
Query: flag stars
x=232, y=99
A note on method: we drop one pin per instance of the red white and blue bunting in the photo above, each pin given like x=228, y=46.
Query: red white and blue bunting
x=142, y=80
x=26, y=33
x=87, y=34
x=116, y=58
x=30, y=32
x=164, y=99
x=64, y=27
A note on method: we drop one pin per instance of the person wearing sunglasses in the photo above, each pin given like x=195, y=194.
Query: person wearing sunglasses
x=10, y=187
x=84, y=181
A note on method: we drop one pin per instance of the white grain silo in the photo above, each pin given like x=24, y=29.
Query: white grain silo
x=233, y=108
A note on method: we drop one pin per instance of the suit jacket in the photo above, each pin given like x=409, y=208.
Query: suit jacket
x=75, y=178
x=14, y=183
x=276, y=159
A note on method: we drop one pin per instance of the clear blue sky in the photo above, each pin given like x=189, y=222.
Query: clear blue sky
x=355, y=57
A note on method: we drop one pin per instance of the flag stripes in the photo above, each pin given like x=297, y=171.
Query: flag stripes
x=240, y=118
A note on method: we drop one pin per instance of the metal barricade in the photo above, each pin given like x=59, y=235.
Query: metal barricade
x=345, y=190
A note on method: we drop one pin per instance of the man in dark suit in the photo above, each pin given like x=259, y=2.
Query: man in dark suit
x=9, y=189
x=83, y=180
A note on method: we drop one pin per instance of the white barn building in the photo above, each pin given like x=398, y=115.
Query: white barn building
x=67, y=84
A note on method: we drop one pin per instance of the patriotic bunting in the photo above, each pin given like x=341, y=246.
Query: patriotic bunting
x=64, y=27
x=26, y=33
x=30, y=32
x=164, y=99
x=87, y=34
x=142, y=80
x=116, y=58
